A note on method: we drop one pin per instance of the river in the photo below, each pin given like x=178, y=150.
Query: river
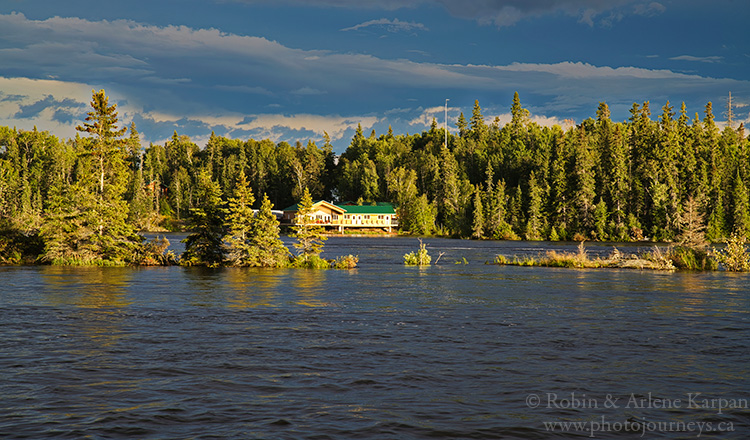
x=461, y=349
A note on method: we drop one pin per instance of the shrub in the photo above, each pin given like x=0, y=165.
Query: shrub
x=734, y=257
x=419, y=258
x=502, y=260
x=345, y=262
x=659, y=259
x=156, y=253
x=691, y=258
x=310, y=262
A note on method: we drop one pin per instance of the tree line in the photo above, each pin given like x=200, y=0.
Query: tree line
x=646, y=178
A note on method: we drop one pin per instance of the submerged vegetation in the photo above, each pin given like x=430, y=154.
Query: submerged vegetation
x=672, y=179
x=669, y=258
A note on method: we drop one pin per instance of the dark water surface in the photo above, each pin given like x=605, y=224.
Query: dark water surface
x=383, y=351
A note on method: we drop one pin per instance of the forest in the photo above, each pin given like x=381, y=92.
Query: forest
x=649, y=178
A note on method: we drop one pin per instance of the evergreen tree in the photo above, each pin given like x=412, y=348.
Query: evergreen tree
x=449, y=203
x=140, y=206
x=309, y=235
x=462, y=125
x=584, y=188
x=534, y=223
x=70, y=226
x=478, y=127
x=204, y=246
x=519, y=117
x=515, y=210
x=665, y=194
x=478, y=221
x=717, y=222
x=101, y=122
x=716, y=228
x=87, y=221
x=560, y=199
x=740, y=217
x=617, y=184
x=239, y=224
x=269, y=249
x=600, y=220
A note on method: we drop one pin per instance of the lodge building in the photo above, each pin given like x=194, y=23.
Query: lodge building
x=340, y=217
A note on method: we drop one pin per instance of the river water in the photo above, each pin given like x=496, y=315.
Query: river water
x=384, y=351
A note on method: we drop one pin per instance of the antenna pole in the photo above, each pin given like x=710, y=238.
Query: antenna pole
x=446, y=123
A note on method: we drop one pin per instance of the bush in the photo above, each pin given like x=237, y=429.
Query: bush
x=345, y=262
x=310, y=262
x=691, y=258
x=419, y=258
x=734, y=257
x=156, y=253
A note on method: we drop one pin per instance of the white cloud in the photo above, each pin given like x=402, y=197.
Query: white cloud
x=425, y=118
x=25, y=103
x=501, y=12
x=649, y=10
x=270, y=125
x=709, y=59
x=394, y=25
x=170, y=78
x=245, y=90
x=309, y=91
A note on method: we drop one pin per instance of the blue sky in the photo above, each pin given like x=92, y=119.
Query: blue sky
x=289, y=70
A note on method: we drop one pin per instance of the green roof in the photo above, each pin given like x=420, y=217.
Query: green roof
x=379, y=208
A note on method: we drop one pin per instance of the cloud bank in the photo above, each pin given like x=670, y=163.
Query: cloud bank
x=168, y=78
x=504, y=12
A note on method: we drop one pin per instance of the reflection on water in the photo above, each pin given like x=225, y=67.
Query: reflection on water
x=98, y=287
x=250, y=288
x=310, y=286
x=98, y=294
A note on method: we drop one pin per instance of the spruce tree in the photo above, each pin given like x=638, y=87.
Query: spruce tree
x=740, y=217
x=478, y=127
x=600, y=220
x=450, y=193
x=462, y=125
x=239, y=224
x=309, y=235
x=584, y=188
x=204, y=246
x=269, y=249
x=92, y=211
x=478, y=221
x=106, y=150
x=535, y=216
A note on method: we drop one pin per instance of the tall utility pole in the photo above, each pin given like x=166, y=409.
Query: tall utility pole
x=730, y=112
x=446, y=123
